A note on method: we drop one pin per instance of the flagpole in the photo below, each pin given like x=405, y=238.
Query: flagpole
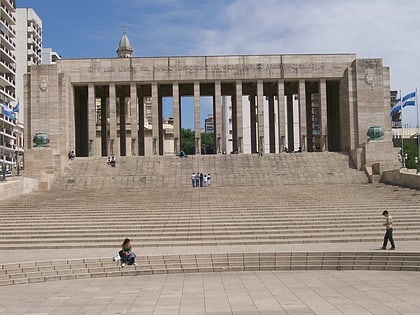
x=3, y=170
x=418, y=133
x=402, y=132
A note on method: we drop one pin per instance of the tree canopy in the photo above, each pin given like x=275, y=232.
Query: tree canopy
x=188, y=142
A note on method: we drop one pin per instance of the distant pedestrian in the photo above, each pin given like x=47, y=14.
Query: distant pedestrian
x=197, y=179
x=193, y=179
x=388, y=233
x=208, y=179
x=201, y=179
x=113, y=161
x=205, y=180
x=128, y=257
x=71, y=155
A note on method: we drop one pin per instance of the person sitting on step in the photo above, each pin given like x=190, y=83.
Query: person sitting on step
x=128, y=257
x=113, y=161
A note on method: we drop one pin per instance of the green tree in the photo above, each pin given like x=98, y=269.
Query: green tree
x=411, y=150
x=187, y=141
x=207, y=142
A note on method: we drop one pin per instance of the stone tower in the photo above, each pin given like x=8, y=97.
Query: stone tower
x=124, y=49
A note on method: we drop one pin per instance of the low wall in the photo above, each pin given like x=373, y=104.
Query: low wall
x=402, y=177
x=17, y=186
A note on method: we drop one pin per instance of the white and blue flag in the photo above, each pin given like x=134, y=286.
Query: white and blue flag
x=6, y=112
x=408, y=100
x=16, y=108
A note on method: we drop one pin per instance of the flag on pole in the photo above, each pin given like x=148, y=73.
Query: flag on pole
x=408, y=100
x=8, y=113
x=16, y=108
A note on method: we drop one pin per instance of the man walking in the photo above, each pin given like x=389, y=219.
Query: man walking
x=193, y=179
x=388, y=233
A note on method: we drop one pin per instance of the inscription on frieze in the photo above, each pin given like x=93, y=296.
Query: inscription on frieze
x=223, y=68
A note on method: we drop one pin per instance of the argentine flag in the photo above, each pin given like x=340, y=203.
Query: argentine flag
x=8, y=113
x=408, y=100
x=16, y=108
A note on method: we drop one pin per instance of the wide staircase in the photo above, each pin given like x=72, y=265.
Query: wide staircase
x=252, y=205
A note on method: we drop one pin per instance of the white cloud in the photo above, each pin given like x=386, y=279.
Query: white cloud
x=371, y=29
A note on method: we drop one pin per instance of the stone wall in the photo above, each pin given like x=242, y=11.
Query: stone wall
x=16, y=186
x=403, y=178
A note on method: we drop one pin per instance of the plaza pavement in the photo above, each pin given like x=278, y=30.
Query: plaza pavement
x=245, y=292
x=233, y=292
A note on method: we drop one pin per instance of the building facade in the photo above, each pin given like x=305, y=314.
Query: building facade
x=28, y=45
x=48, y=56
x=11, y=130
x=286, y=102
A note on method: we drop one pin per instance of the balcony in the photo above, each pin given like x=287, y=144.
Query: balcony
x=8, y=27
x=7, y=54
x=7, y=41
x=9, y=4
x=10, y=93
x=6, y=67
x=7, y=15
x=6, y=80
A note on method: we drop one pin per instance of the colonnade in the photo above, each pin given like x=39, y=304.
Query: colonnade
x=123, y=131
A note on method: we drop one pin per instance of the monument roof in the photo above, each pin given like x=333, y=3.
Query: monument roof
x=124, y=48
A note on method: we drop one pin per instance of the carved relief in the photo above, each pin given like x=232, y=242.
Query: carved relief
x=369, y=78
x=43, y=84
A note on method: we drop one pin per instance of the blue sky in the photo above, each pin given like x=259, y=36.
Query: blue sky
x=386, y=29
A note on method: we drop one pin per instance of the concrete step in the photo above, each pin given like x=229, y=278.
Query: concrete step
x=227, y=170
x=53, y=270
x=257, y=240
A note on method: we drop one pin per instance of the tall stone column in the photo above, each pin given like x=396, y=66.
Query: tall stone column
x=133, y=119
x=290, y=122
x=113, y=146
x=91, y=119
x=271, y=124
x=155, y=119
x=177, y=117
x=218, y=115
x=323, y=117
x=281, y=116
x=302, y=115
x=104, y=122
x=197, y=126
x=260, y=104
x=239, y=117
x=122, y=125
x=253, y=121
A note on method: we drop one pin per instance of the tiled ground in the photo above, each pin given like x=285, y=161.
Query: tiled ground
x=270, y=292
x=264, y=292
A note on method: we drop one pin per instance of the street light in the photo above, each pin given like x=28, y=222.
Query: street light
x=417, y=160
x=3, y=165
x=403, y=158
x=17, y=163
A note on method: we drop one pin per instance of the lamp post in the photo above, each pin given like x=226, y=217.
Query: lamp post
x=403, y=158
x=17, y=162
x=3, y=165
x=418, y=148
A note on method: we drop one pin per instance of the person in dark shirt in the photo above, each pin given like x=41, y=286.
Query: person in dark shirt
x=128, y=257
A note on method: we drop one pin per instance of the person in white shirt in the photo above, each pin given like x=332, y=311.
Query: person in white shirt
x=193, y=179
x=388, y=233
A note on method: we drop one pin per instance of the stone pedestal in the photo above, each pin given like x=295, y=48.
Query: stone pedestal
x=380, y=151
x=43, y=165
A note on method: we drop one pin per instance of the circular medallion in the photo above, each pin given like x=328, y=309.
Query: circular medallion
x=369, y=78
x=43, y=85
